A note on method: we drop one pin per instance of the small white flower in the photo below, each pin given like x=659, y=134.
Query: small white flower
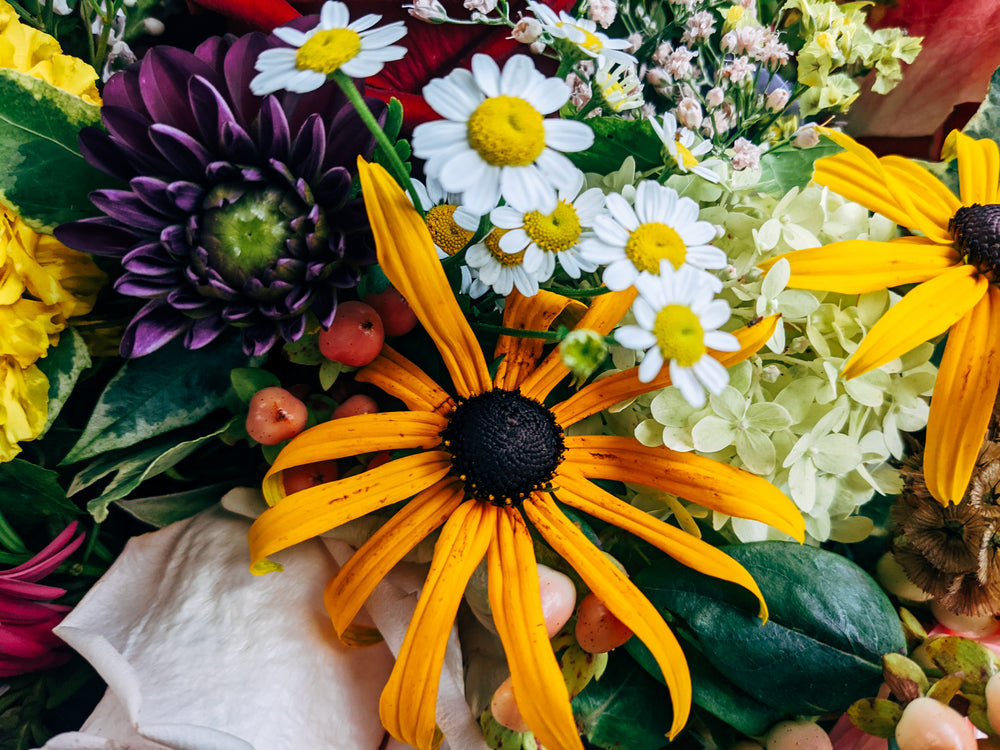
x=500, y=270
x=603, y=12
x=526, y=31
x=546, y=238
x=431, y=11
x=451, y=227
x=619, y=86
x=583, y=33
x=661, y=226
x=495, y=140
x=677, y=320
x=745, y=155
x=682, y=149
x=354, y=48
x=60, y=7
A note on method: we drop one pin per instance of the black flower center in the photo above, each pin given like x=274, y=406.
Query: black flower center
x=503, y=446
x=246, y=231
x=977, y=236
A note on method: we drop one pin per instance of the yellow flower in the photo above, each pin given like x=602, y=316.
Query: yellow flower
x=21, y=391
x=36, y=53
x=954, y=262
x=483, y=465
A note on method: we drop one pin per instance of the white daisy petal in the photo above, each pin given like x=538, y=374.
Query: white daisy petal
x=588, y=205
x=644, y=313
x=483, y=194
x=697, y=233
x=526, y=189
x=622, y=212
x=558, y=170
x=455, y=96
x=366, y=22
x=714, y=314
x=507, y=217
x=487, y=74
x=652, y=363
x=706, y=256
x=601, y=253
x=568, y=135
x=518, y=74
x=711, y=373
x=514, y=241
x=289, y=36
x=722, y=342
x=619, y=275
x=548, y=95
x=635, y=337
x=433, y=138
x=334, y=15
x=688, y=384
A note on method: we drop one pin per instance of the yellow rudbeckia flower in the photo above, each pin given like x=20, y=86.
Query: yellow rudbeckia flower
x=954, y=262
x=484, y=464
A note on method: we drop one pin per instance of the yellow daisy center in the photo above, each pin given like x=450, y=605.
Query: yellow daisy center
x=507, y=260
x=446, y=234
x=684, y=156
x=325, y=51
x=506, y=131
x=556, y=231
x=679, y=334
x=653, y=242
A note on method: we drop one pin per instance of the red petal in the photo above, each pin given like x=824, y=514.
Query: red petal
x=262, y=14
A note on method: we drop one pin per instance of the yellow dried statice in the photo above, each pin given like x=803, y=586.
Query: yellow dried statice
x=42, y=282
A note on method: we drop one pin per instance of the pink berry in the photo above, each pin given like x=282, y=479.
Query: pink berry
x=275, y=415
x=558, y=598
x=505, y=710
x=928, y=724
x=355, y=337
x=797, y=735
x=355, y=405
x=397, y=315
x=303, y=477
x=379, y=459
x=597, y=629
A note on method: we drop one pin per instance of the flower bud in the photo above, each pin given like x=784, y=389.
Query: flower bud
x=777, y=99
x=689, y=112
x=805, y=137
x=715, y=97
x=583, y=351
x=431, y=11
x=527, y=30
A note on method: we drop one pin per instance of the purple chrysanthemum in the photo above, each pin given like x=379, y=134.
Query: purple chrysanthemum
x=238, y=210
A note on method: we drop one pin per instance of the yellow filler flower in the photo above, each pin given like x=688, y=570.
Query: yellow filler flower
x=954, y=262
x=485, y=463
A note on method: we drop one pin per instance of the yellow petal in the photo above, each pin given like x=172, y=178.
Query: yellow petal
x=623, y=385
x=923, y=195
x=400, y=378
x=303, y=515
x=978, y=167
x=603, y=314
x=515, y=600
x=712, y=484
x=408, y=702
x=859, y=266
x=963, y=399
x=347, y=592
x=521, y=354
x=407, y=256
x=925, y=312
x=350, y=436
x=620, y=595
x=683, y=547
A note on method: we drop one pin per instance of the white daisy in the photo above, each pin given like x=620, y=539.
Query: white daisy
x=678, y=319
x=502, y=271
x=495, y=140
x=582, y=33
x=619, y=86
x=680, y=145
x=661, y=226
x=546, y=238
x=451, y=227
x=356, y=49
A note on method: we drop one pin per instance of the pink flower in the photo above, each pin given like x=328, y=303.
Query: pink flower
x=745, y=155
x=27, y=615
x=603, y=12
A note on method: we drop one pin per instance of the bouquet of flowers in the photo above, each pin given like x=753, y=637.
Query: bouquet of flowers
x=505, y=375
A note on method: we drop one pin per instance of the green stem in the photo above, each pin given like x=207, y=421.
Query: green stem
x=568, y=291
x=358, y=102
x=519, y=332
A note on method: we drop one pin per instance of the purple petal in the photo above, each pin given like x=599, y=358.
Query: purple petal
x=238, y=71
x=238, y=313
x=349, y=137
x=333, y=188
x=152, y=327
x=101, y=152
x=310, y=149
x=324, y=305
x=188, y=301
x=163, y=76
x=150, y=260
x=174, y=239
x=292, y=328
x=123, y=90
x=273, y=134
x=100, y=236
x=126, y=207
x=186, y=155
x=221, y=171
x=217, y=123
x=204, y=331
x=147, y=287
x=258, y=340
x=186, y=196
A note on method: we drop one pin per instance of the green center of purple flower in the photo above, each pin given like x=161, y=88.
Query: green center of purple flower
x=977, y=237
x=247, y=232
x=503, y=445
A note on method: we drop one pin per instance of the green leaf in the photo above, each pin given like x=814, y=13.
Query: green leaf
x=787, y=168
x=625, y=708
x=248, y=380
x=170, y=388
x=953, y=654
x=579, y=668
x=875, y=716
x=46, y=179
x=63, y=365
x=904, y=677
x=830, y=624
x=614, y=141
x=163, y=510
x=28, y=492
x=155, y=457
x=986, y=122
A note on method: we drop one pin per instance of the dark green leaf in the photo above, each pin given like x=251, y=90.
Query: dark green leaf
x=788, y=168
x=248, y=380
x=170, y=388
x=822, y=648
x=28, y=492
x=986, y=122
x=62, y=366
x=47, y=181
x=626, y=708
x=614, y=141
x=163, y=510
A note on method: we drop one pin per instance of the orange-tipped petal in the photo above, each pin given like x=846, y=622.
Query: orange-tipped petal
x=520, y=354
x=621, y=596
x=963, y=398
x=347, y=591
x=407, y=256
x=409, y=700
x=623, y=385
x=859, y=266
x=686, y=549
x=714, y=485
x=515, y=600
x=400, y=378
x=308, y=513
x=925, y=312
x=603, y=314
x=978, y=167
